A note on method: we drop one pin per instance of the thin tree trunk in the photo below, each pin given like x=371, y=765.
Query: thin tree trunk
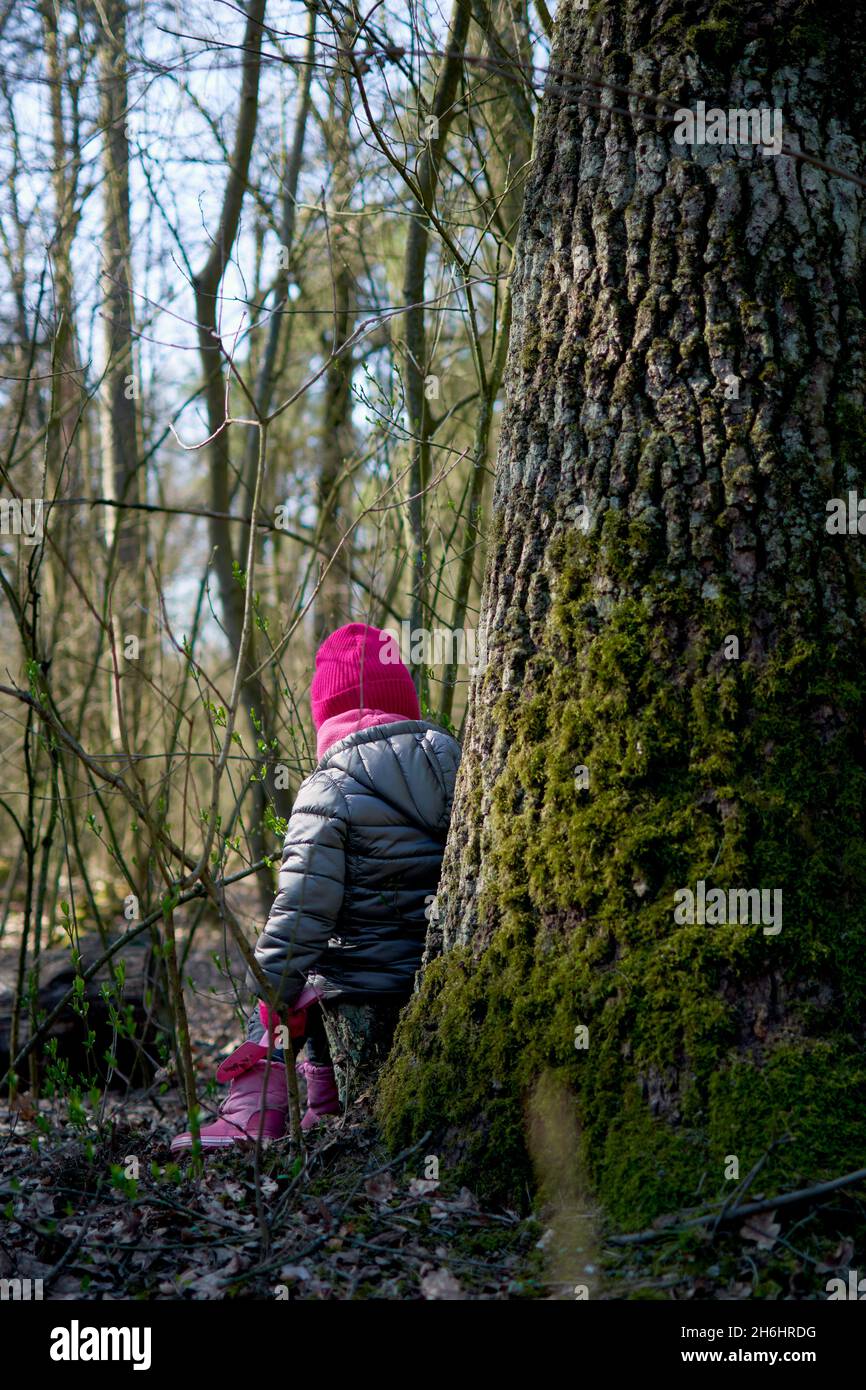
x=510, y=122
x=279, y=325
x=207, y=285
x=121, y=451
x=334, y=600
x=416, y=365
x=508, y=108
x=466, y=569
x=120, y=447
x=63, y=466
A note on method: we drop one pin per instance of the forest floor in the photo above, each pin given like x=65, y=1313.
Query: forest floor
x=346, y=1223
x=94, y=1206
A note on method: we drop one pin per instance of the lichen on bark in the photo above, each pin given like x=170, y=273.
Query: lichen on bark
x=686, y=365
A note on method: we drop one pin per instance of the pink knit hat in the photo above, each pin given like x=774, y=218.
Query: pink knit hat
x=359, y=667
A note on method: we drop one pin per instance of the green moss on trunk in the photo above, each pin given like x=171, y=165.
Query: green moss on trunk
x=704, y=1041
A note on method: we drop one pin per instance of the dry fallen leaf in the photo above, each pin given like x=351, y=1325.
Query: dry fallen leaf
x=762, y=1229
x=441, y=1284
x=43, y=1204
x=207, y=1286
x=464, y=1201
x=67, y=1287
x=419, y=1187
x=379, y=1187
x=841, y=1257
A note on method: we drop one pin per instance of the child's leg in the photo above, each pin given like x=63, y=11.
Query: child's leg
x=314, y=1037
x=256, y=1030
x=322, y=1098
x=257, y=1101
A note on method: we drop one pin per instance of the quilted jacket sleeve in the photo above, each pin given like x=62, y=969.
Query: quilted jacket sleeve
x=310, y=894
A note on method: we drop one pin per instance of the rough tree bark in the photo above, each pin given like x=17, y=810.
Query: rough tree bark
x=686, y=365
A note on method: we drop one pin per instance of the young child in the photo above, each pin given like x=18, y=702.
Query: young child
x=360, y=864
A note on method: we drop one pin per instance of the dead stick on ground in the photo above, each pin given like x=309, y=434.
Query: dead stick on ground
x=739, y=1192
x=785, y=1199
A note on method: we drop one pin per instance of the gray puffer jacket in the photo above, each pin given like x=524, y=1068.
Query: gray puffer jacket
x=360, y=863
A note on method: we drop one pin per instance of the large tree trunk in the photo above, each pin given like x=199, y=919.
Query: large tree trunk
x=686, y=366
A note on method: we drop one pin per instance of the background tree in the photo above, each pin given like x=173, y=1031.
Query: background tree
x=205, y=232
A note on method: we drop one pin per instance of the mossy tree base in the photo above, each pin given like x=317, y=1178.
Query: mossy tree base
x=686, y=366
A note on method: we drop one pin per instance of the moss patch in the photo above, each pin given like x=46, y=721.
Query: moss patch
x=704, y=1041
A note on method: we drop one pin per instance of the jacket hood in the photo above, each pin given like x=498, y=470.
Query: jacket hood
x=340, y=726
x=410, y=765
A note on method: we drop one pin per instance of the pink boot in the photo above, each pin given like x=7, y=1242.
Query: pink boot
x=322, y=1098
x=241, y=1111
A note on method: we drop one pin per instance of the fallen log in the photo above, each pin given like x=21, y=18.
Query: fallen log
x=112, y=1057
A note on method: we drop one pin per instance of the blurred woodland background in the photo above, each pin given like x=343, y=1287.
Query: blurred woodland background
x=255, y=311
